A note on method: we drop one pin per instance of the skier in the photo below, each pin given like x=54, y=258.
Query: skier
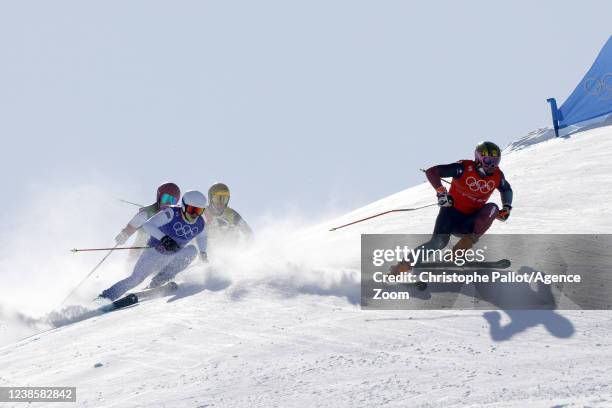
x=464, y=210
x=171, y=231
x=167, y=194
x=222, y=222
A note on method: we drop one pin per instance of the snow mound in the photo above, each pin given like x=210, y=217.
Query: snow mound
x=534, y=137
x=547, y=133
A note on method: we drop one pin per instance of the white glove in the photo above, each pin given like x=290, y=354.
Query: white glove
x=444, y=199
x=121, y=238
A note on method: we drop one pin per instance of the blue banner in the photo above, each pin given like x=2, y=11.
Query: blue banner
x=593, y=95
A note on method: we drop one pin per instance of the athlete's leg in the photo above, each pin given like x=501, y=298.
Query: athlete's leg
x=149, y=262
x=483, y=219
x=447, y=223
x=179, y=262
x=475, y=225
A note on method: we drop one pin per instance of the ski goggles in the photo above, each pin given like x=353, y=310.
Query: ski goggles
x=167, y=199
x=220, y=199
x=489, y=162
x=195, y=211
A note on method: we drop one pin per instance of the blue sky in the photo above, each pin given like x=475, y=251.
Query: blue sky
x=309, y=106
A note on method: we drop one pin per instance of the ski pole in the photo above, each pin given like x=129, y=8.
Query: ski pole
x=115, y=248
x=388, y=212
x=444, y=181
x=129, y=202
x=88, y=275
x=383, y=213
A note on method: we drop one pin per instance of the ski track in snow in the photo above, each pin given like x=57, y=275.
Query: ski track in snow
x=289, y=332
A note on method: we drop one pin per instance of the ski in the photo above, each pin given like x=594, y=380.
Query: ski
x=163, y=290
x=133, y=298
x=499, y=264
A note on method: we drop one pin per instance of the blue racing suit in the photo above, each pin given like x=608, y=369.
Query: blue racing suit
x=157, y=259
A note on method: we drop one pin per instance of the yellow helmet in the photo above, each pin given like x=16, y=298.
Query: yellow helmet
x=218, y=197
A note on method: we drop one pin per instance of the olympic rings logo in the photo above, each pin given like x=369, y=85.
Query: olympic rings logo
x=480, y=185
x=600, y=88
x=184, y=230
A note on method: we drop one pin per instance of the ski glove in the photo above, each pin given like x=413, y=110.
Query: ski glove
x=444, y=199
x=169, y=244
x=504, y=213
x=121, y=238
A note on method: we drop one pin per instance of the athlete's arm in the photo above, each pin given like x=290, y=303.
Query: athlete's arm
x=436, y=173
x=505, y=191
x=136, y=222
x=242, y=224
x=132, y=226
x=152, y=225
x=245, y=228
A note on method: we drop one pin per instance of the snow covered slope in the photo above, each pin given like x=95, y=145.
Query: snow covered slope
x=280, y=325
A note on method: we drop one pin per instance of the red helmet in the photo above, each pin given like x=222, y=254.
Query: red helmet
x=168, y=194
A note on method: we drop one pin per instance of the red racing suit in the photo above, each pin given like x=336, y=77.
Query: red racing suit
x=470, y=189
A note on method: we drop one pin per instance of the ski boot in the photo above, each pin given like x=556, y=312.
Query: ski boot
x=401, y=266
x=404, y=266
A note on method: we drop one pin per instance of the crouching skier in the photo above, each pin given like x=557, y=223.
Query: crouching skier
x=465, y=210
x=171, y=231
